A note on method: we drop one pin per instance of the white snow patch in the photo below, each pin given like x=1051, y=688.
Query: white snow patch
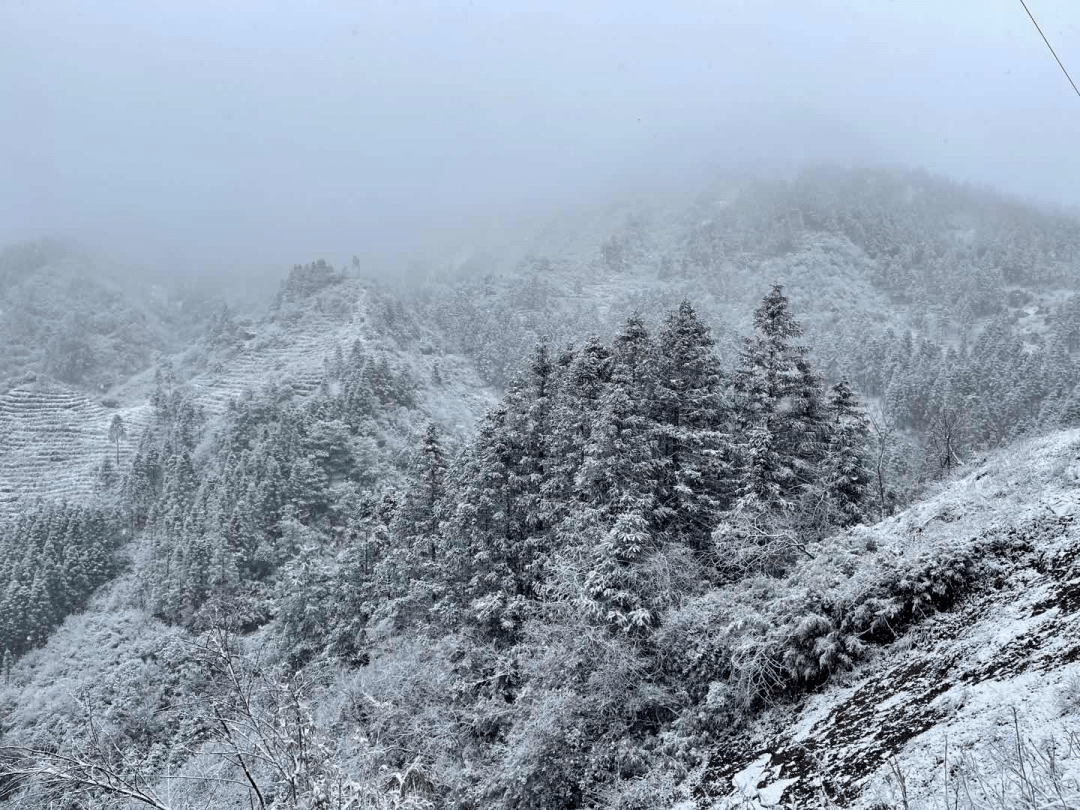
x=747, y=780
x=750, y=792
x=773, y=794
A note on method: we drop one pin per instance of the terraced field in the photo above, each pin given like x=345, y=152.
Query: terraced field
x=295, y=356
x=52, y=438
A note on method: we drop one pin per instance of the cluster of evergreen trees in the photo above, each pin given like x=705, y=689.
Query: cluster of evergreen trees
x=996, y=388
x=616, y=451
x=306, y=280
x=607, y=455
x=51, y=560
x=220, y=523
x=220, y=513
x=550, y=557
x=949, y=264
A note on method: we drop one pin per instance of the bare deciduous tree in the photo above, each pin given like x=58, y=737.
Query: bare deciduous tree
x=883, y=438
x=255, y=725
x=948, y=428
x=752, y=540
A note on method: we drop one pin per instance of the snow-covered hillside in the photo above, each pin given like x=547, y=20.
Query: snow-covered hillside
x=293, y=350
x=939, y=710
x=51, y=440
x=980, y=703
x=53, y=437
x=744, y=650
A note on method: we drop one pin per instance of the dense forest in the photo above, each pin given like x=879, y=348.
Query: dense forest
x=658, y=532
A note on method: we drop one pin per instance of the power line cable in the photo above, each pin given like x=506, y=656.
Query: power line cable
x=1051, y=47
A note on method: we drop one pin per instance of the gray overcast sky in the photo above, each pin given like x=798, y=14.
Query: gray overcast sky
x=204, y=134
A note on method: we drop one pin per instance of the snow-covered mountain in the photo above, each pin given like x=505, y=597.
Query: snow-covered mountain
x=450, y=612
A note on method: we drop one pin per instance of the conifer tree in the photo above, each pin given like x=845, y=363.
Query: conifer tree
x=76, y=576
x=486, y=530
x=771, y=411
x=782, y=439
x=613, y=583
x=224, y=577
x=582, y=384
x=619, y=451
x=846, y=478
x=618, y=486
x=327, y=444
x=692, y=428
x=620, y=468
x=117, y=434
x=13, y=616
x=504, y=508
x=536, y=459
x=417, y=521
x=39, y=611
x=51, y=571
x=1069, y=414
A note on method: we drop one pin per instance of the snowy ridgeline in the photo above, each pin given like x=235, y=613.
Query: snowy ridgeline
x=980, y=703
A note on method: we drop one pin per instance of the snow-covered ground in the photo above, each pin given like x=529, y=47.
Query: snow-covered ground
x=980, y=703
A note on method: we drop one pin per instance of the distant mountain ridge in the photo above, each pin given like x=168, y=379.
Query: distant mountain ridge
x=54, y=436
x=859, y=253
x=65, y=318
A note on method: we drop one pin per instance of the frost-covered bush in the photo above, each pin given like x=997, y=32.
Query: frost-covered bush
x=133, y=675
x=740, y=646
x=585, y=719
x=1069, y=694
x=422, y=707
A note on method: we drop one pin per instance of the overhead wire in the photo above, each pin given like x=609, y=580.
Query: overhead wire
x=1051, y=47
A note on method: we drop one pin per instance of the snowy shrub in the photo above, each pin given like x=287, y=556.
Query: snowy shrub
x=740, y=646
x=423, y=705
x=1069, y=694
x=654, y=789
x=582, y=721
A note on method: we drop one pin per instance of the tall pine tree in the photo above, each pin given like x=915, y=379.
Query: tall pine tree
x=691, y=417
x=846, y=479
x=779, y=414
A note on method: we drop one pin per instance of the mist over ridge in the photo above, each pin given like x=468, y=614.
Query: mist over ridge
x=200, y=138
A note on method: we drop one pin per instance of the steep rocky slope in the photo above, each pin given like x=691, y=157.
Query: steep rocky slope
x=981, y=702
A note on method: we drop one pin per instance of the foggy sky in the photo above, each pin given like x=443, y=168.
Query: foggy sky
x=194, y=137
